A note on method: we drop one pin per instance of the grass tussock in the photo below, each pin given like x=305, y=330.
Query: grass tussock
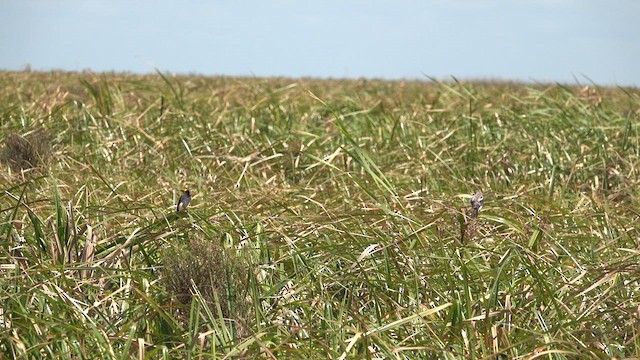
x=329, y=218
x=22, y=153
x=201, y=270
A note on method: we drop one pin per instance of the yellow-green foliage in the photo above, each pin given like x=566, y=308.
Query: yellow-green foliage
x=329, y=219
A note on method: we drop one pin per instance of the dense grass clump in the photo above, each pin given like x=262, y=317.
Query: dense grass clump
x=201, y=271
x=20, y=153
x=329, y=219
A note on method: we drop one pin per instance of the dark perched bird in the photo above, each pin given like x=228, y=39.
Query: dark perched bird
x=184, y=200
x=477, y=200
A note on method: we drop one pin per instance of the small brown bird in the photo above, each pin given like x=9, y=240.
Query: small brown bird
x=184, y=200
x=477, y=200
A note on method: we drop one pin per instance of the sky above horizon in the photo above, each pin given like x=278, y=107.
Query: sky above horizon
x=568, y=41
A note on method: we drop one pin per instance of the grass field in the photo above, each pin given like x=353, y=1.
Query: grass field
x=330, y=218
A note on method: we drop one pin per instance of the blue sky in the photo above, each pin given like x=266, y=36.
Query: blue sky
x=532, y=40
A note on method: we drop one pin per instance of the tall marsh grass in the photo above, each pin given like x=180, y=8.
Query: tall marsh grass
x=329, y=219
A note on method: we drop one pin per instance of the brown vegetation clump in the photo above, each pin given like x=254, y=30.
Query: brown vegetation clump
x=24, y=153
x=219, y=276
